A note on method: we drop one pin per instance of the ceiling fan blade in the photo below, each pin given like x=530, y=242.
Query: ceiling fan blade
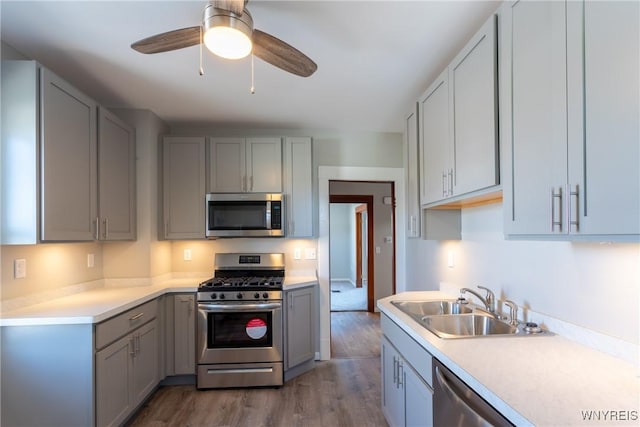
x=278, y=53
x=171, y=40
x=235, y=6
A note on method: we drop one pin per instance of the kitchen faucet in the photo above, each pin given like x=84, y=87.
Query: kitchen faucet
x=489, y=301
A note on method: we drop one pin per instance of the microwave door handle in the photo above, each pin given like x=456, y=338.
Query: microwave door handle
x=268, y=215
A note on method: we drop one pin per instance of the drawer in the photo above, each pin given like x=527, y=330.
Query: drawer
x=120, y=325
x=410, y=350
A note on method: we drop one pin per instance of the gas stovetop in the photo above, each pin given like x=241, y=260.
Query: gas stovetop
x=244, y=277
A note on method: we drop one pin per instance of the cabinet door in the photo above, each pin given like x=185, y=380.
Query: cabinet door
x=392, y=391
x=227, y=167
x=184, y=333
x=145, y=362
x=301, y=326
x=264, y=165
x=474, y=112
x=117, y=178
x=113, y=392
x=299, y=186
x=413, y=188
x=69, y=161
x=184, y=187
x=434, y=141
x=533, y=92
x=604, y=152
x=418, y=399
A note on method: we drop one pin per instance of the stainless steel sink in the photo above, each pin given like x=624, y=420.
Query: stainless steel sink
x=419, y=309
x=467, y=325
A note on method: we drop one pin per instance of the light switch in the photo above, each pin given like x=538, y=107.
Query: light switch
x=19, y=268
x=91, y=260
x=377, y=250
x=450, y=260
x=297, y=253
x=187, y=255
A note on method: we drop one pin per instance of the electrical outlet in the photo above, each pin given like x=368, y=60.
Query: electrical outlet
x=187, y=255
x=297, y=253
x=310, y=253
x=19, y=268
x=91, y=260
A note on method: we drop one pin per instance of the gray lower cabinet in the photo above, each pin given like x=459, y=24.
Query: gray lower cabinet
x=301, y=342
x=126, y=369
x=180, y=332
x=407, y=393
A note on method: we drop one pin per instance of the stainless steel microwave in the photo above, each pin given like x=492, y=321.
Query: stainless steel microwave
x=244, y=215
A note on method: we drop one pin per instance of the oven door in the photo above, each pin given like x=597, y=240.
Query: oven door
x=240, y=332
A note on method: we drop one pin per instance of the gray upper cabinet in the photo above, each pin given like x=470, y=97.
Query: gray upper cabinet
x=413, y=186
x=567, y=72
x=116, y=178
x=251, y=165
x=434, y=141
x=183, y=190
x=474, y=113
x=458, y=123
x=298, y=186
x=68, y=167
x=68, y=161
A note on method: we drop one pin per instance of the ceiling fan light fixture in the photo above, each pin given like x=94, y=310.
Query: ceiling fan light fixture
x=226, y=34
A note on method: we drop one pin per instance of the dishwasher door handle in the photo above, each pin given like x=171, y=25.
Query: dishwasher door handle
x=462, y=404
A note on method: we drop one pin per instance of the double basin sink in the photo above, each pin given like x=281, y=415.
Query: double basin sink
x=451, y=319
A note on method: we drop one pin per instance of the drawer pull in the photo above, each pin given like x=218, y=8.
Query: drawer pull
x=136, y=317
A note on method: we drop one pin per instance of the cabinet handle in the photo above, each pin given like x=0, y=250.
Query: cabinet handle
x=132, y=344
x=555, y=196
x=444, y=180
x=450, y=192
x=574, y=209
x=400, y=374
x=136, y=317
x=97, y=231
x=395, y=371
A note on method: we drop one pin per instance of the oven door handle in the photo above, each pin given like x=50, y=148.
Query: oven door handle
x=219, y=307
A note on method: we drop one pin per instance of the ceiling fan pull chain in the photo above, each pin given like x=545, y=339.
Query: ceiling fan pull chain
x=201, y=69
x=253, y=89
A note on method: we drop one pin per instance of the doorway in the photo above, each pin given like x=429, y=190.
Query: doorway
x=351, y=238
x=327, y=174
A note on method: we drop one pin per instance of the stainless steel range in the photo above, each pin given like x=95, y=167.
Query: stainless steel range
x=240, y=336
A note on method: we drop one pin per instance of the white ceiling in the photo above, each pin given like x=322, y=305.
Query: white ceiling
x=374, y=58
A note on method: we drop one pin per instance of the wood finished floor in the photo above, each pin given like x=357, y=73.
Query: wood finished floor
x=344, y=391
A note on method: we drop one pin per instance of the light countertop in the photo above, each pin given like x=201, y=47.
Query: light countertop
x=96, y=305
x=536, y=380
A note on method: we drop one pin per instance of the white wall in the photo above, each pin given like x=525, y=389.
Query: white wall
x=593, y=285
x=341, y=241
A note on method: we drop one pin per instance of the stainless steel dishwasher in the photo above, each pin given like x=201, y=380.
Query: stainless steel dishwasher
x=455, y=404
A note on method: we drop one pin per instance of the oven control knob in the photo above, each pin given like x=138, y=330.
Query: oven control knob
x=214, y=296
x=256, y=295
x=239, y=296
x=265, y=295
x=221, y=296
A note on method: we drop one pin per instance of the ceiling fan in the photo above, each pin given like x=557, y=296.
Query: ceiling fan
x=227, y=31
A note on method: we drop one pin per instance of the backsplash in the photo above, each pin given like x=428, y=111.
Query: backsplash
x=591, y=285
